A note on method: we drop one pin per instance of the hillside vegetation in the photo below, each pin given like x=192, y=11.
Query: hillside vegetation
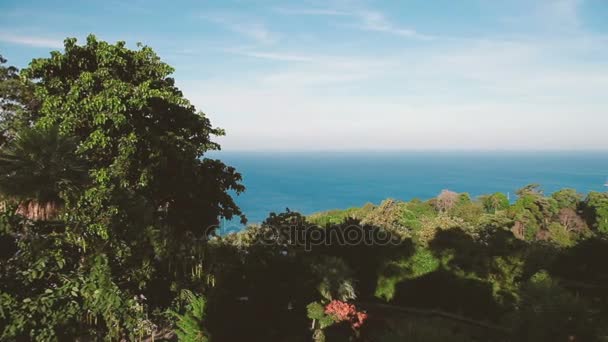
x=455, y=268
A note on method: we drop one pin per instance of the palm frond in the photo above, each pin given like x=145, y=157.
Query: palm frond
x=37, y=165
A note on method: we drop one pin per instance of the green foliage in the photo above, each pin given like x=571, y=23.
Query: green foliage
x=415, y=213
x=421, y=209
x=430, y=228
x=533, y=211
x=321, y=321
x=530, y=189
x=190, y=325
x=550, y=313
x=316, y=311
x=559, y=235
x=495, y=202
x=567, y=198
x=338, y=216
x=135, y=129
x=336, y=280
x=17, y=102
x=596, y=211
x=40, y=163
x=463, y=199
x=469, y=211
x=132, y=235
x=93, y=296
x=390, y=215
x=422, y=262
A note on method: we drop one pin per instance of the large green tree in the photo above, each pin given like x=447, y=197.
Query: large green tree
x=132, y=237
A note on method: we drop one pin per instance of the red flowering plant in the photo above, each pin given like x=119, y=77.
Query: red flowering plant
x=335, y=314
x=345, y=312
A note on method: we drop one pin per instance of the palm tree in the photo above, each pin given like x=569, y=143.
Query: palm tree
x=35, y=167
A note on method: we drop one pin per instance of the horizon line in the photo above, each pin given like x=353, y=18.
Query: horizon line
x=262, y=150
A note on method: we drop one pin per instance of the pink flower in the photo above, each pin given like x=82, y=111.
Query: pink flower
x=343, y=311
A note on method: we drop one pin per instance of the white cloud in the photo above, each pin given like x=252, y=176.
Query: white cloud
x=28, y=40
x=275, y=56
x=247, y=27
x=317, y=70
x=376, y=21
x=312, y=11
x=367, y=20
x=465, y=94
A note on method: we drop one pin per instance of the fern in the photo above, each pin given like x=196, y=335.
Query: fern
x=190, y=326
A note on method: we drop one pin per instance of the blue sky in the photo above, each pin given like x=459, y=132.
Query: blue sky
x=349, y=75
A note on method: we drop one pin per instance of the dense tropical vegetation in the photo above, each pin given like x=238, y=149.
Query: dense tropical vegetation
x=108, y=232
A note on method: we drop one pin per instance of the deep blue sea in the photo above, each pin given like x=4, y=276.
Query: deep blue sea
x=315, y=181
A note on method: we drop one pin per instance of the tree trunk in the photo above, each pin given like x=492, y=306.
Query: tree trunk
x=38, y=211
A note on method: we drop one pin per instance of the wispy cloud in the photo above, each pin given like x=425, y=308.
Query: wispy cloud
x=562, y=12
x=28, y=40
x=549, y=17
x=367, y=20
x=322, y=95
x=307, y=69
x=312, y=11
x=275, y=56
x=376, y=21
x=419, y=94
x=313, y=72
x=246, y=27
x=257, y=31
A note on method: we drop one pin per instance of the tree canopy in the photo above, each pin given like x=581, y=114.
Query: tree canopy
x=131, y=234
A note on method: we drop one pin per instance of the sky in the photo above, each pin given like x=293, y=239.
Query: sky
x=360, y=75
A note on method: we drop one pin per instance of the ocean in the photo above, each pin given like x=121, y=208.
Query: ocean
x=309, y=182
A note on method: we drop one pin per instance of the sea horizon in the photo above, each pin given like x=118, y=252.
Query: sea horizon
x=315, y=181
x=404, y=150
